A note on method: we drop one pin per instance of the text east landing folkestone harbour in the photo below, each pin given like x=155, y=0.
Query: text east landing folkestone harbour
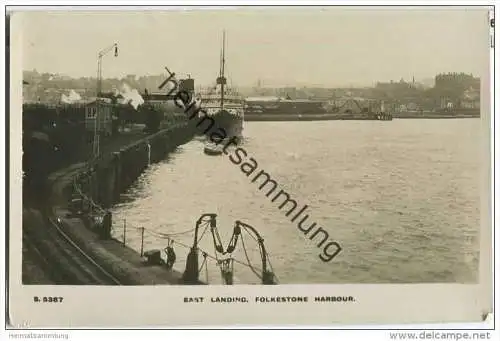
x=270, y=299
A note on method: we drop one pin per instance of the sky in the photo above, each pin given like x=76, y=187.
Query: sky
x=279, y=46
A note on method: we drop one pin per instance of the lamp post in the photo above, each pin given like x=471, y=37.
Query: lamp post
x=101, y=54
x=95, y=143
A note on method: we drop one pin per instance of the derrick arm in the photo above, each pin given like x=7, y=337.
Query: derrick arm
x=109, y=48
x=267, y=276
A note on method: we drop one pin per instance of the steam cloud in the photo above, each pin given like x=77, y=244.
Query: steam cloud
x=129, y=96
x=71, y=98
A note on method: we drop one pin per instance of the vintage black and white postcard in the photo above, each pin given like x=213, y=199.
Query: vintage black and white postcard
x=249, y=166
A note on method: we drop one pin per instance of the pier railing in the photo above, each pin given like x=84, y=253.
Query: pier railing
x=171, y=240
x=225, y=265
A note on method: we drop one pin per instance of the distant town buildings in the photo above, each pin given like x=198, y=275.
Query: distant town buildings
x=458, y=90
x=450, y=91
x=458, y=81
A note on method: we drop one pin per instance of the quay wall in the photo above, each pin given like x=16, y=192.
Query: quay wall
x=106, y=177
x=335, y=117
x=99, y=183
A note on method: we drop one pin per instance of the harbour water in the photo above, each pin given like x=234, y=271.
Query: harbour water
x=402, y=198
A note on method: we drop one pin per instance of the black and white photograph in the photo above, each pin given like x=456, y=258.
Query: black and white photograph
x=254, y=146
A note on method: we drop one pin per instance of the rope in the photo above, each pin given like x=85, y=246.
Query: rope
x=206, y=255
x=204, y=261
x=248, y=259
x=267, y=255
x=253, y=237
x=179, y=233
x=189, y=248
x=218, y=263
x=170, y=235
x=204, y=231
x=215, y=258
x=206, y=272
x=167, y=235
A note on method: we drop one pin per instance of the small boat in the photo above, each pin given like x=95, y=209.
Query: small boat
x=213, y=148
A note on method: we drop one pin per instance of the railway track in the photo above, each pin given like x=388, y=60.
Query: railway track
x=61, y=258
x=54, y=250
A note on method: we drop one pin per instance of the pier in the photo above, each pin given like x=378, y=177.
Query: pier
x=72, y=248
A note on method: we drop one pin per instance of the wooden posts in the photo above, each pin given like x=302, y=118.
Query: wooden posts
x=142, y=241
x=124, y=231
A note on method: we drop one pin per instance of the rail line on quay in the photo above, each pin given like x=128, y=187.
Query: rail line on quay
x=105, y=277
x=65, y=262
x=100, y=275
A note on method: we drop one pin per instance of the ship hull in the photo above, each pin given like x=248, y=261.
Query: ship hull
x=228, y=123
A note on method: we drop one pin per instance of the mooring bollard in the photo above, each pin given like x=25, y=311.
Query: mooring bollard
x=149, y=153
x=106, y=225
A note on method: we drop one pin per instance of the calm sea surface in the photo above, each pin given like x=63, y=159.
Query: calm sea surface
x=402, y=199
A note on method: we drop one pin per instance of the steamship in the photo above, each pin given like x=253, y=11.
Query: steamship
x=225, y=105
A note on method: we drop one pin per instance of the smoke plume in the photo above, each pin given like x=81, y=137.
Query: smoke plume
x=130, y=96
x=71, y=98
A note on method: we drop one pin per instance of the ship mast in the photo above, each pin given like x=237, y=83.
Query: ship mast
x=222, y=79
